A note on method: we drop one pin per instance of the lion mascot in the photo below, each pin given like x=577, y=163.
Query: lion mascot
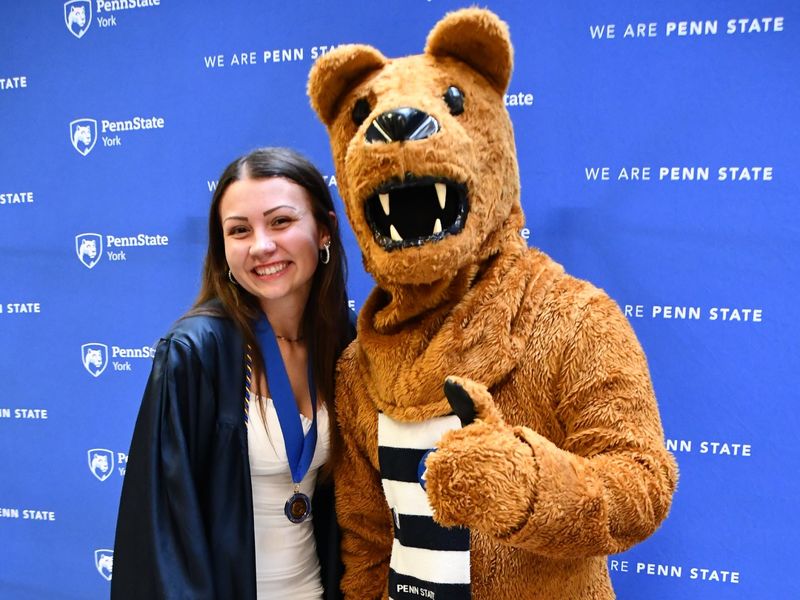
x=499, y=432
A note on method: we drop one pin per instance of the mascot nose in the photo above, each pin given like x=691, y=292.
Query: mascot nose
x=402, y=124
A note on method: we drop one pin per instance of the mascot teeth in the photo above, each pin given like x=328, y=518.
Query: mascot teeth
x=423, y=210
x=441, y=193
x=385, y=203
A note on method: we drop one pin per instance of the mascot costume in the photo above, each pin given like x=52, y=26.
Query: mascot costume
x=499, y=432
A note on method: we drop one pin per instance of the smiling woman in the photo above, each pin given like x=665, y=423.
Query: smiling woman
x=228, y=494
x=272, y=244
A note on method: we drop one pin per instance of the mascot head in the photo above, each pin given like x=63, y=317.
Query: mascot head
x=424, y=149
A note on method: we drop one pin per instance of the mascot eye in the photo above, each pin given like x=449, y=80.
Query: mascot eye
x=361, y=111
x=454, y=98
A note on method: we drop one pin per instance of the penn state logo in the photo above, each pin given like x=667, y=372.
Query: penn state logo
x=83, y=135
x=89, y=247
x=95, y=358
x=422, y=470
x=101, y=463
x=78, y=16
x=104, y=561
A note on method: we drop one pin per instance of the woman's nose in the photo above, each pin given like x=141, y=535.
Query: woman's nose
x=263, y=242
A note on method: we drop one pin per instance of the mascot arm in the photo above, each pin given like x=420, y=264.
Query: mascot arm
x=607, y=487
x=611, y=485
x=361, y=507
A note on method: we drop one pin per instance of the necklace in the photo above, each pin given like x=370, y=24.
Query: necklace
x=299, y=338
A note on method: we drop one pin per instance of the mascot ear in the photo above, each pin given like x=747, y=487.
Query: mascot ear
x=336, y=72
x=479, y=39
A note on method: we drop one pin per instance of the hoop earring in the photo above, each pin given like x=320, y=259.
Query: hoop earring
x=326, y=257
x=230, y=277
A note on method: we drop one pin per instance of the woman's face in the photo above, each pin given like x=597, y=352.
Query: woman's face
x=272, y=240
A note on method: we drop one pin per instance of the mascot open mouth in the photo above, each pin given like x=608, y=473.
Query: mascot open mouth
x=416, y=211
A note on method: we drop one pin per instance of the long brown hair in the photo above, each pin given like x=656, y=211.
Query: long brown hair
x=326, y=325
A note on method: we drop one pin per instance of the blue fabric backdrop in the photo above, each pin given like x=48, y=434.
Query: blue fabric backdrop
x=658, y=147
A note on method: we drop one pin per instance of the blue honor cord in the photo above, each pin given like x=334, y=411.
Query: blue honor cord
x=299, y=448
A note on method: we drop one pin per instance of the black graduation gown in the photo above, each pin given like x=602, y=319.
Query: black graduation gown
x=185, y=525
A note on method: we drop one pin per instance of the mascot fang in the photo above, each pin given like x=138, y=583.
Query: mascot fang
x=530, y=384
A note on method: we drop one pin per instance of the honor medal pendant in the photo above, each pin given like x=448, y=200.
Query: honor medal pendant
x=298, y=507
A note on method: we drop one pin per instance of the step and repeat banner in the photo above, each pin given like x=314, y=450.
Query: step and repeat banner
x=658, y=148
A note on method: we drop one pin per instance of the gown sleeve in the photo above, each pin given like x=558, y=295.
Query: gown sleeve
x=161, y=548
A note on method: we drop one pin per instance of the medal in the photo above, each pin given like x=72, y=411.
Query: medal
x=298, y=507
x=299, y=448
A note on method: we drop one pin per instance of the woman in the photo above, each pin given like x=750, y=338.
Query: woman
x=223, y=471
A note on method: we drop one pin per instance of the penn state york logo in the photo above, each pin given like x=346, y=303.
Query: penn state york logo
x=95, y=358
x=78, y=16
x=104, y=561
x=101, y=463
x=83, y=134
x=89, y=247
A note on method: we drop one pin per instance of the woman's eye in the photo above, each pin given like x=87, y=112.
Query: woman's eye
x=239, y=230
x=281, y=221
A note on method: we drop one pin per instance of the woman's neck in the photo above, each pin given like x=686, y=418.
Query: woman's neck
x=285, y=319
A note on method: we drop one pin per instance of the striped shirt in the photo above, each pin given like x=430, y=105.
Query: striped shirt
x=428, y=560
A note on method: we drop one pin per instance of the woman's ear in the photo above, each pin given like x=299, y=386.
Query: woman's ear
x=324, y=232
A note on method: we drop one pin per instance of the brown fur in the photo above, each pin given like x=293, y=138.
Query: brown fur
x=566, y=463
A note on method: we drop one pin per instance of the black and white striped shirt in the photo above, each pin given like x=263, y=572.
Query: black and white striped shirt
x=428, y=560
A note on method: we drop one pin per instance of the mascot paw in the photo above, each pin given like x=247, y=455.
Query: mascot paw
x=481, y=476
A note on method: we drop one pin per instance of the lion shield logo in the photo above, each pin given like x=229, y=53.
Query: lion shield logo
x=83, y=135
x=101, y=463
x=89, y=247
x=78, y=16
x=104, y=561
x=95, y=358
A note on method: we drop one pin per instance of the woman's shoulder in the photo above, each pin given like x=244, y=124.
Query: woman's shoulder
x=204, y=326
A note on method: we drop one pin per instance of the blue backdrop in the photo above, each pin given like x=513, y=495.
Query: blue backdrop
x=658, y=147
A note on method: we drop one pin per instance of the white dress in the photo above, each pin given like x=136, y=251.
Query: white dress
x=286, y=558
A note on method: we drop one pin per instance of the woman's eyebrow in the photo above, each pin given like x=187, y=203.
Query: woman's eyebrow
x=272, y=210
x=265, y=213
